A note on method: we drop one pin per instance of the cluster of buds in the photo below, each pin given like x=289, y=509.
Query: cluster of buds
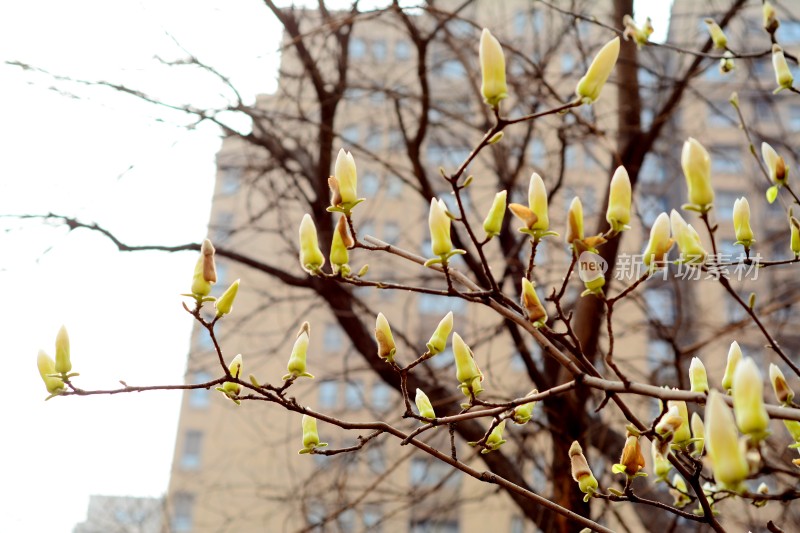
x=494, y=440
x=56, y=373
x=297, y=360
x=310, y=435
x=639, y=35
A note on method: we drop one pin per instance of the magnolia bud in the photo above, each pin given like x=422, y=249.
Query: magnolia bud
x=63, y=364
x=525, y=214
x=793, y=426
x=683, y=434
x=205, y=270
x=631, y=460
x=660, y=242
x=230, y=388
x=689, y=244
x=530, y=301
x=438, y=341
x=575, y=221
x=537, y=201
x=722, y=443
x=748, y=400
x=467, y=372
x=679, y=492
x=769, y=18
x=47, y=367
x=297, y=361
x=734, y=356
x=661, y=465
x=717, y=35
x=439, y=224
x=384, y=338
x=495, y=438
x=639, y=35
x=668, y=427
x=311, y=258
x=341, y=241
x=794, y=228
x=346, y=179
x=698, y=433
x=590, y=85
x=310, y=435
x=522, y=413
x=783, y=75
x=741, y=222
x=783, y=392
x=618, y=214
x=493, y=69
x=224, y=303
x=424, y=405
x=593, y=278
x=581, y=471
x=726, y=63
x=696, y=165
x=778, y=171
x=697, y=376
x=494, y=220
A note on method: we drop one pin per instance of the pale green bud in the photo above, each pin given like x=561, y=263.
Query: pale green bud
x=618, y=214
x=205, y=270
x=688, y=240
x=311, y=258
x=530, y=301
x=346, y=178
x=793, y=426
x=660, y=242
x=438, y=341
x=468, y=374
x=697, y=376
x=631, y=460
x=537, y=202
x=668, y=427
x=783, y=392
x=661, y=465
x=493, y=69
x=794, y=228
x=580, y=470
x=698, y=433
x=748, y=400
x=310, y=435
x=341, y=242
x=63, y=363
x=522, y=413
x=297, y=360
x=590, y=85
x=224, y=303
x=495, y=439
x=575, y=221
x=683, y=434
x=678, y=492
x=439, y=224
x=734, y=356
x=778, y=170
x=384, y=338
x=494, y=220
x=639, y=35
x=717, y=35
x=726, y=63
x=47, y=367
x=769, y=18
x=424, y=405
x=696, y=165
x=783, y=75
x=722, y=443
x=741, y=222
x=230, y=388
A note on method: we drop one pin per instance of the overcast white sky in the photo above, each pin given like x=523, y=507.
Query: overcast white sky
x=132, y=168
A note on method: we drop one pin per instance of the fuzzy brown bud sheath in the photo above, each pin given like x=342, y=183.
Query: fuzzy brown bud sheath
x=632, y=459
x=581, y=472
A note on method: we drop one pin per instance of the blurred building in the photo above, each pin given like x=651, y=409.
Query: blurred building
x=123, y=514
x=237, y=468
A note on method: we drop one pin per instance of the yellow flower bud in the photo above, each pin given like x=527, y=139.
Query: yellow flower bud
x=748, y=400
x=698, y=433
x=726, y=63
x=311, y=258
x=660, y=242
x=778, y=171
x=770, y=20
x=580, y=470
x=794, y=228
x=439, y=224
x=525, y=214
x=793, y=426
x=230, y=388
x=438, y=341
x=734, y=356
x=591, y=273
x=696, y=165
x=424, y=405
x=618, y=214
x=697, y=376
x=522, y=413
x=679, y=492
x=783, y=392
x=668, y=427
x=537, y=201
x=63, y=363
x=741, y=222
x=224, y=304
x=346, y=178
x=310, y=435
x=384, y=338
x=661, y=465
x=47, y=367
x=722, y=443
x=530, y=301
x=631, y=460
x=683, y=434
x=783, y=75
x=494, y=220
x=639, y=35
x=467, y=372
x=495, y=438
x=717, y=35
x=493, y=69
x=205, y=271
x=575, y=221
x=297, y=360
x=691, y=248
x=339, y=245
x=590, y=85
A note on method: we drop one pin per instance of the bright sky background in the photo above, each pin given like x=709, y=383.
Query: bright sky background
x=135, y=170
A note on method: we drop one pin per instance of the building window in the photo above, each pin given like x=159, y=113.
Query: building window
x=371, y=516
x=402, y=50
x=394, y=187
x=660, y=306
x=346, y=521
x=376, y=458
x=567, y=62
x=354, y=394
x=434, y=525
x=222, y=228
x=537, y=151
x=571, y=156
x=724, y=205
x=230, y=178
x=369, y=184
x=726, y=160
x=718, y=114
x=391, y=232
x=661, y=360
x=377, y=97
x=650, y=206
x=652, y=170
x=358, y=48
x=432, y=304
x=374, y=139
x=429, y=473
x=332, y=338
x=192, y=444
x=381, y=396
x=183, y=504
x=200, y=398
x=379, y=50
x=350, y=134
x=328, y=394
x=452, y=68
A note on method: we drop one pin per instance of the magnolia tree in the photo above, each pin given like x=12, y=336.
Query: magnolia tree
x=703, y=459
